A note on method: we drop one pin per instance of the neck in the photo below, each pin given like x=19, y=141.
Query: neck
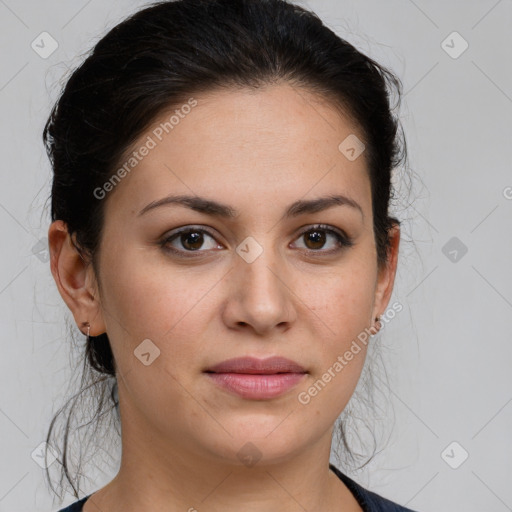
x=155, y=476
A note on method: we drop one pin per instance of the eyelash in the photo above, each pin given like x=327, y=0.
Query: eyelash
x=344, y=241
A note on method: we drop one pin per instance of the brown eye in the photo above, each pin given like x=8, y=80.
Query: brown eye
x=190, y=239
x=317, y=237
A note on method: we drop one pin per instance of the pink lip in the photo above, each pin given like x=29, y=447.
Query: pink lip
x=254, y=365
x=257, y=379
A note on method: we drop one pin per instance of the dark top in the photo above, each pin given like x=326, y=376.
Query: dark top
x=369, y=501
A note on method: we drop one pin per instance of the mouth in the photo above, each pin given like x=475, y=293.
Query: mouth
x=257, y=379
x=255, y=366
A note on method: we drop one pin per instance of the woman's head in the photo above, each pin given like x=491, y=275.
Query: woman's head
x=260, y=108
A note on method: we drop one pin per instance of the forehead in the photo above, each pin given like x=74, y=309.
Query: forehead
x=278, y=143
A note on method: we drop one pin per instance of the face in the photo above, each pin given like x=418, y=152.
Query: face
x=263, y=281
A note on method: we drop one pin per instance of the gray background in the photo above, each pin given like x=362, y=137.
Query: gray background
x=448, y=353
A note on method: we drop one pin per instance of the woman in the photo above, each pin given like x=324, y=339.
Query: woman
x=221, y=236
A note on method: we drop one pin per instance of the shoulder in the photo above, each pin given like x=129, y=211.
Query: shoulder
x=369, y=501
x=75, y=507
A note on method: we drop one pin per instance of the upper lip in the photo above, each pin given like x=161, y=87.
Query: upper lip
x=254, y=365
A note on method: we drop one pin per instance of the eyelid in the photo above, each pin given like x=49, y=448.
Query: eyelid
x=344, y=240
x=324, y=227
x=166, y=239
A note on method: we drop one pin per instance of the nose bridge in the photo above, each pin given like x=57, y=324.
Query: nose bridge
x=260, y=284
x=260, y=267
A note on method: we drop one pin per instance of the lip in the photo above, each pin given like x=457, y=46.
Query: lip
x=257, y=379
x=253, y=365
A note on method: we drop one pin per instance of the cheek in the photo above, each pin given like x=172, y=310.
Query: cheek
x=343, y=307
x=343, y=301
x=154, y=325
x=143, y=301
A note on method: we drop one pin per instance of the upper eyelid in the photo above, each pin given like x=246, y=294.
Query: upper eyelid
x=323, y=226
x=209, y=231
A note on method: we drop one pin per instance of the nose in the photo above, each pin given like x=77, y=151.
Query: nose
x=259, y=296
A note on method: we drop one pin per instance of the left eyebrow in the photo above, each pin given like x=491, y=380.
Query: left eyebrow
x=216, y=209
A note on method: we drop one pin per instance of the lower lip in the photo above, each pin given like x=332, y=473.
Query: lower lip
x=257, y=387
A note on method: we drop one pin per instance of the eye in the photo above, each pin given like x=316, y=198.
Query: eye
x=191, y=239
x=316, y=237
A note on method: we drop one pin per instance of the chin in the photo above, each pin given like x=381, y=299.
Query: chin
x=261, y=440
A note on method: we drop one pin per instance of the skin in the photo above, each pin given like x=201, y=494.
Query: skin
x=257, y=151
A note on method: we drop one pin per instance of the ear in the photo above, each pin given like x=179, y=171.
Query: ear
x=386, y=275
x=75, y=280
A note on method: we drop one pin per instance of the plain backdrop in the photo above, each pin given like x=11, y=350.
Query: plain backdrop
x=448, y=353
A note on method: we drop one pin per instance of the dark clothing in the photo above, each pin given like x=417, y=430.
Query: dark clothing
x=368, y=500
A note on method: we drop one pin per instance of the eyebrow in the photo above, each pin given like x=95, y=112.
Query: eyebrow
x=216, y=209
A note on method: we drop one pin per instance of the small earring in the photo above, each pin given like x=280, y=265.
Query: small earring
x=377, y=329
x=88, y=325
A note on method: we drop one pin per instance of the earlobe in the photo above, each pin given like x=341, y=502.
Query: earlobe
x=75, y=280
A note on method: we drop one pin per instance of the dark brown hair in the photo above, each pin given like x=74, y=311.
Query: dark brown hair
x=159, y=57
